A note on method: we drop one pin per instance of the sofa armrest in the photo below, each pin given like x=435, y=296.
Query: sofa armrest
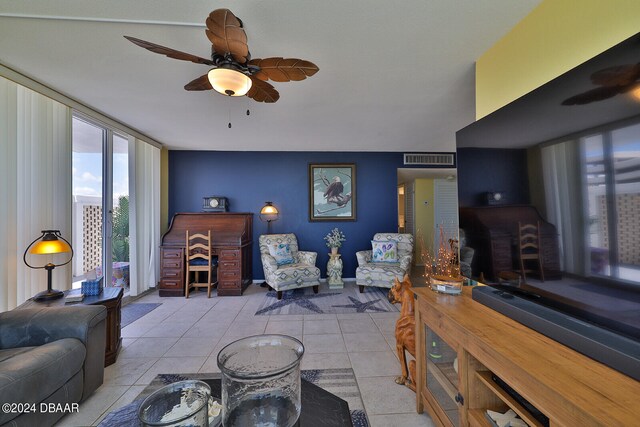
x=307, y=257
x=31, y=327
x=405, y=262
x=268, y=262
x=364, y=257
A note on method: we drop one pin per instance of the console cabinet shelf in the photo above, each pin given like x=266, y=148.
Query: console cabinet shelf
x=461, y=345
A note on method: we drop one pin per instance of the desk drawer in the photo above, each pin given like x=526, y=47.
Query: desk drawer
x=171, y=253
x=172, y=263
x=229, y=275
x=171, y=274
x=229, y=254
x=170, y=284
x=228, y=284
x=229, y=265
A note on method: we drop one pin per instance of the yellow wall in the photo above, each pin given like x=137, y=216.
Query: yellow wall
x=555, y=37
x=164, y=190
x=424, y=214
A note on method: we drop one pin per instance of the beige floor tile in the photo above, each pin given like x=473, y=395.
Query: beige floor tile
x=285, y=328
x=172, y=365
x=374, y=364
x=316, y=327
x=168, y=329
x=381, y=395
x=320, y=317
x=192, y=346
x=371, y=341
x=357, y=325
x=325, y=361
x=326, y=343
x=405, y=420
x=126, y=371
x=386, y=324
x=136, y=329
x=147, y=347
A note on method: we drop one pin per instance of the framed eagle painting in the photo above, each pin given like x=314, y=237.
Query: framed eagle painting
x=332, y=192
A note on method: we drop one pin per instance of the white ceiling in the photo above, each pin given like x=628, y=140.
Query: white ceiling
x=394, y=76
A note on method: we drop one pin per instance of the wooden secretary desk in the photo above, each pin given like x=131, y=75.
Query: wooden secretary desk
x=231, y=241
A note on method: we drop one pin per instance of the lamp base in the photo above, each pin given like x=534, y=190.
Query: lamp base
x=48, y=295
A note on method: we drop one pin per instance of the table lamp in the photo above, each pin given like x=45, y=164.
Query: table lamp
x=269, y=213
x=48, y=243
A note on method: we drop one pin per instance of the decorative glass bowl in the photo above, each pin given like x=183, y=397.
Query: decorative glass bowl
x=261, y=381
x=183, y=403
x=446, y=285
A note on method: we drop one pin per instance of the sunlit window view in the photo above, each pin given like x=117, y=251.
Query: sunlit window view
x=89, y=183
x=612, y=178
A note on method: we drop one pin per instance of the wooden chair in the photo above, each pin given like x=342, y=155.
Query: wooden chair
x=199, y=259
x=529, y=247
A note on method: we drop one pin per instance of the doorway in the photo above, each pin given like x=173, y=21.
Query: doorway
x=429, y=203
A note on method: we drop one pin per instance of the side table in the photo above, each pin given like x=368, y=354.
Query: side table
x=334, y=272
x=111, y=298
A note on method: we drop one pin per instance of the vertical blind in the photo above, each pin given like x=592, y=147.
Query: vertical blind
x=35, y=189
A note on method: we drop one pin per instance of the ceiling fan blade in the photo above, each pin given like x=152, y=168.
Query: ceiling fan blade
x=620, y=75
x=284, y=69
x=171, y=53
x=201, y=83
x=226, y=34
x=593, y=95
x=262, y=91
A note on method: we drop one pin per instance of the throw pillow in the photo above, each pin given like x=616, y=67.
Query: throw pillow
x=282, y=253
x=384, y=251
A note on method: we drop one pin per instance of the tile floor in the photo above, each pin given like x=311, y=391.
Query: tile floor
x=185, y=336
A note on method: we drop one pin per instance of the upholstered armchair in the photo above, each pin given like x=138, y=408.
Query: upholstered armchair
x=285, y=266
x=382, y=273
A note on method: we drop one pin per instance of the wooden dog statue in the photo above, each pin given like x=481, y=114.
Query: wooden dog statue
x=405, y=330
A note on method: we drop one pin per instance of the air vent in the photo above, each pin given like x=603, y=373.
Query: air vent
x=430, y=159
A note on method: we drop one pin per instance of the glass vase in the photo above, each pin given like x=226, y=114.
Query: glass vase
x=261, y=381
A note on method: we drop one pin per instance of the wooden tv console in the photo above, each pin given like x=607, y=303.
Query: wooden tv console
x=566, y=386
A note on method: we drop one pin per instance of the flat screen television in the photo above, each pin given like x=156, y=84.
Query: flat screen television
x=547, y=114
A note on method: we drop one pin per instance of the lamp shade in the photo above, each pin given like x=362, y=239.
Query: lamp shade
x=229, y=82
x=49, y=242
x=269, y=209
x=44, y=247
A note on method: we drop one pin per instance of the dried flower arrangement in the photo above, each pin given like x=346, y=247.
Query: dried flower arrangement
x=335, y=238
x=444, y=266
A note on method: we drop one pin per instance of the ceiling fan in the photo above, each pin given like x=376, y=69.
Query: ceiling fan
x=234, y=73
x=611, y=81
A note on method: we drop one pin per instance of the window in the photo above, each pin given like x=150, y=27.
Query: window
x=100, y=190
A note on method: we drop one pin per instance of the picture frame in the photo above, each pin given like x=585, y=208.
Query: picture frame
x=332, y=192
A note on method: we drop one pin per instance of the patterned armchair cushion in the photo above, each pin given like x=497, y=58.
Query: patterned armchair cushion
x=382, y=274
x=384, y=251
x=281, y=252
x=299, y=274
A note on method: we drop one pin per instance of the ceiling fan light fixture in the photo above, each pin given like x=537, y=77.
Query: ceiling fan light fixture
x=229, y=82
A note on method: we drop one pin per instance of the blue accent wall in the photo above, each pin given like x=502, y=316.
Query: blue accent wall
x=248, y=179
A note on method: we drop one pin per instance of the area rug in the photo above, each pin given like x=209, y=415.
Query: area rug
x=340, y=382
x=132, y=312
x=327, y=301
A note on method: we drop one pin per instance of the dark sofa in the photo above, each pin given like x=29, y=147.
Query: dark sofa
x=50, y=355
